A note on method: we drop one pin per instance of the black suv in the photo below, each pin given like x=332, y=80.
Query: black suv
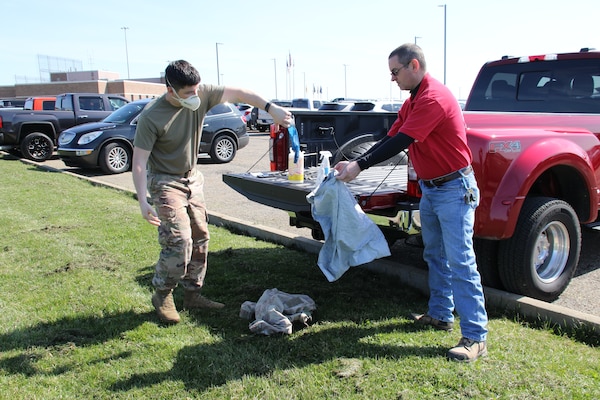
x=108, y=144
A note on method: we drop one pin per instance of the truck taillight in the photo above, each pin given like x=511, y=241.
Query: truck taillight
x=542, y=57
x=246, y=116
x=0, y=122
x=278, y=148
x=412, y=187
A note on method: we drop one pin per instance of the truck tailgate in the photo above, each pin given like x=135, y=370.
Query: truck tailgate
x=273, y=188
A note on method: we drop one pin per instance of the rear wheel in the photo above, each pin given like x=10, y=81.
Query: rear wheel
x=115, y=158
x=540, y=259
x=223, y=149
x=37, y=146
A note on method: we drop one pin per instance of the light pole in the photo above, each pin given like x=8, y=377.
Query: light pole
x=126, y=51
x=443, y=5
x=417, y=37
x=304, y=74
x=345, y=82
x=218, y=73
x=275, y=72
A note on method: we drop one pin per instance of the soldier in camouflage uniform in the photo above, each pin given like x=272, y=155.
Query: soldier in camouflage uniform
x=165, y=167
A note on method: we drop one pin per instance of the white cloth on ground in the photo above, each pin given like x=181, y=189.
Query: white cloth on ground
x=351, y=237
x=276, y=311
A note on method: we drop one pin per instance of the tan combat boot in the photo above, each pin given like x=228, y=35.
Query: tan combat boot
x=426, y=319
x=467, y=350
x=165, y=306
x=193, y=299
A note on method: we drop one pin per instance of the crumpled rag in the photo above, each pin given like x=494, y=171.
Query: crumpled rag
x=276, y=311
x=351, y=237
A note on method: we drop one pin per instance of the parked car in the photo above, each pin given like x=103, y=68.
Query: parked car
x=108, y=144
x=40, y=103
x=309, y=104
x=12, y=103
x=378, y=106
x=33, y=134
x=282, y=103
x=261, y=119
x=246, y=111
x=224, y=133
x=362, y=105
x=336, y=106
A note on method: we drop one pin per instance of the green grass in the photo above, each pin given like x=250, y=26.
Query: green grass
x=76, y=263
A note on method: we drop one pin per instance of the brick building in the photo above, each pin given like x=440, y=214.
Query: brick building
x=87, y=82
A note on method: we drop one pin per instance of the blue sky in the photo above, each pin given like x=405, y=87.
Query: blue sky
x=339, y=46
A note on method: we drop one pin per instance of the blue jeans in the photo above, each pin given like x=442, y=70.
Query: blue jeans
x=455, y=284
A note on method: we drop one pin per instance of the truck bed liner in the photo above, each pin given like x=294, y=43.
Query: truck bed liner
x=273, y=188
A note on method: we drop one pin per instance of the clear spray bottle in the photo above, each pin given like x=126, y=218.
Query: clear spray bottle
x=324, y=167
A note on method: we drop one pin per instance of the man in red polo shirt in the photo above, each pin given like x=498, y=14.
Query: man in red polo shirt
x=430, y=124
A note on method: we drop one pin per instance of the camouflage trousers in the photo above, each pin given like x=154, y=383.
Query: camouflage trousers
x=183, y=232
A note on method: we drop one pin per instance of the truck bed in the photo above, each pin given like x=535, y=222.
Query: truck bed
x=273, y=188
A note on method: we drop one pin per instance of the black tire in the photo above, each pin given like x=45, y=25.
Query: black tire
x=541, y=257
x=115, y=158
x=37, y=146
x=486, y=252
x=223, y=149
x=359, y=146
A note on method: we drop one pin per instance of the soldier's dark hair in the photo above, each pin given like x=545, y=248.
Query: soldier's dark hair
x=181, y=73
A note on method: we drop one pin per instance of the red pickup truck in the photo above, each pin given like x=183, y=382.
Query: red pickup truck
x=533, y=125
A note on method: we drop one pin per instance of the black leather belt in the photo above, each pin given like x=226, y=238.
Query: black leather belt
x=447, y=178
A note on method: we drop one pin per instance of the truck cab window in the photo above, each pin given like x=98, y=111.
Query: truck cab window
x=582, y=86
x=502, y=90
x=563, y=86
x=91, y=104
x=64, y=103
x=532, y=85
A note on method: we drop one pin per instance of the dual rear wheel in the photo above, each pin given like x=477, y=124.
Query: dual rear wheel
x=541, y=257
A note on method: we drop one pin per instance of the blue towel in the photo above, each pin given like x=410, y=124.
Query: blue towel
x=351, y=237
x=295, y=142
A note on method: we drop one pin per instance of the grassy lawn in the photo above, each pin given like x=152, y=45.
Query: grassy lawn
x=76, y=322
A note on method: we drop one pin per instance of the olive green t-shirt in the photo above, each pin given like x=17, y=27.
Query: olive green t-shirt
x=172, y=134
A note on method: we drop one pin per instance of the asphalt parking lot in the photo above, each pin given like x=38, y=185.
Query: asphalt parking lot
x=581, y=295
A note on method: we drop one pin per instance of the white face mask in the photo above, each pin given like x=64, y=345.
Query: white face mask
x=191, y=103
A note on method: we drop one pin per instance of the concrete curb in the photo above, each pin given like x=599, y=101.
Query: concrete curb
x=531, y=309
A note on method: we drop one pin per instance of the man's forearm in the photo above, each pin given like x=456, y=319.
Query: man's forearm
x=138, y=172
x=140, y=182
x=386, y=150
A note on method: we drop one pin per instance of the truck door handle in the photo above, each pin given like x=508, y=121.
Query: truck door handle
x=83, y=116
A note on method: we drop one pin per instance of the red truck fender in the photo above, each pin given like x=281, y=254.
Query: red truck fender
x=551, y=165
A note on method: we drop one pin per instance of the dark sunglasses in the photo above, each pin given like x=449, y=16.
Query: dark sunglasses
x=396, y=71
